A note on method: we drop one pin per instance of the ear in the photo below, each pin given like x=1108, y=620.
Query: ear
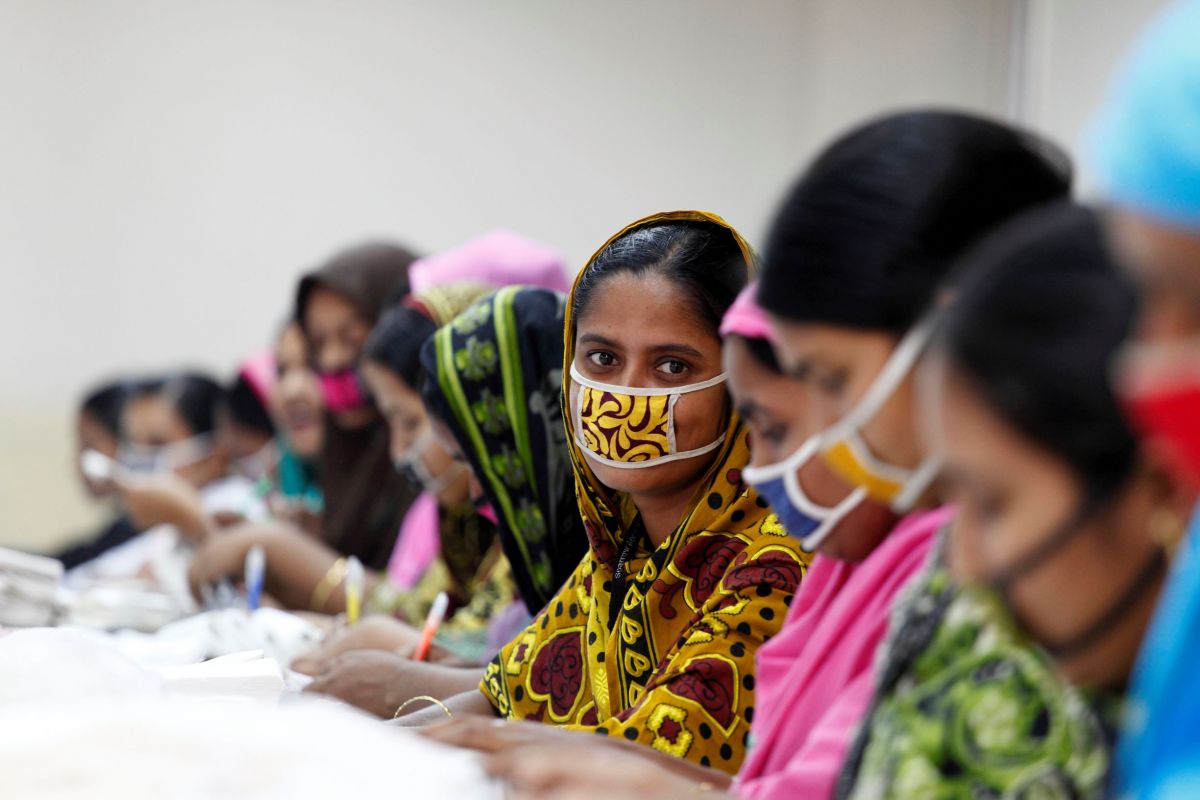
x=1174, y=497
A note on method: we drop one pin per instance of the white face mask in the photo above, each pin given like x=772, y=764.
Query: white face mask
x=846, y=452
x=167, y=458
x=630, y=427
x=412, y=465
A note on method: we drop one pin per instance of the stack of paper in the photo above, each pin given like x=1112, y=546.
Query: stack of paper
x=28, y=589
x=246, y=675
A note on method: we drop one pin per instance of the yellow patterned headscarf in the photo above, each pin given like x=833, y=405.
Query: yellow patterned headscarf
x=675, y=668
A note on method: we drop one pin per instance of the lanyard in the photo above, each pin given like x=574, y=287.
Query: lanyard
x=620, y=588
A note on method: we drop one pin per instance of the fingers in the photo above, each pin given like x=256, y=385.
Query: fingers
x=546, y=773
x=471, y=732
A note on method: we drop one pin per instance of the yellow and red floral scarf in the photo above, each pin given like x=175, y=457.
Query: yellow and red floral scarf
x=674, y=669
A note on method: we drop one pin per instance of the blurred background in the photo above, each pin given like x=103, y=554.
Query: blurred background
x=169, y=168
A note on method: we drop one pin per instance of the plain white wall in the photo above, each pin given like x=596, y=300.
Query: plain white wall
x=168, y=167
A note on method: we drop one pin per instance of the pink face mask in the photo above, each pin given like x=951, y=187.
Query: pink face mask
x=343, y=391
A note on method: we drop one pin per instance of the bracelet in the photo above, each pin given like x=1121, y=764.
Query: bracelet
x=332, y=578
x=433, y=700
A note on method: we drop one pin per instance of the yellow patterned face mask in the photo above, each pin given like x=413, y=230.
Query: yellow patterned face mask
x=630, y=427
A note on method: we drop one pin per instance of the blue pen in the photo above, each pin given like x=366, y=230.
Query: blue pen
x=256, y=568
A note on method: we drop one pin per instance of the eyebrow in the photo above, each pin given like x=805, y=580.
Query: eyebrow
x=670, y=347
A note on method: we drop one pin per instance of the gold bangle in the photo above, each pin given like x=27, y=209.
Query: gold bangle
x=412, y=700
x=333, y=577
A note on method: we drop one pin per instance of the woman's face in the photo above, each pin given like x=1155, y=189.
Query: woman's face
x=337, y=333
x=669, y=346
x=90, y=434
x=774, y=409
x=449, y=443
x=296, y=403
x=410, y=427
x=836, y=366
x=1012, y=497
x=156, y=432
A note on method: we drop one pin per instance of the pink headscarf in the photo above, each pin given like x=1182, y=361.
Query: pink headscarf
x=500, y=258
x=259, y=371
x=746, y=318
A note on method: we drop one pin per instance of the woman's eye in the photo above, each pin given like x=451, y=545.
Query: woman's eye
x=673, y=367
x=774, y=434
x=602, y=358
x=832, y=385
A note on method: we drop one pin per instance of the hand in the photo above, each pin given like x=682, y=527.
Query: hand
x=573, y=771
x=376, y=632
x=218, y=557
x=163, y=499
x=368, y=679
x=492, y=735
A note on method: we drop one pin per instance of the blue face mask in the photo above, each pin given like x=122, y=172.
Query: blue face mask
x=807, y=520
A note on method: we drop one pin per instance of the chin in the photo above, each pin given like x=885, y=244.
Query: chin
x=353, y=420
x=650, y=480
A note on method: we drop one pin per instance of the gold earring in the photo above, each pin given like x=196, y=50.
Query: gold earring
x=1166, y=529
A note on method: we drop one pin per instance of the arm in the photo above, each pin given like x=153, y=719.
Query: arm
x=296, y=564
x=467, y=703
x=380, y=682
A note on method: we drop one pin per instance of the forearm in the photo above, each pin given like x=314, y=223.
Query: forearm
x=467, y=702
x=684, y=769
x=296, y=566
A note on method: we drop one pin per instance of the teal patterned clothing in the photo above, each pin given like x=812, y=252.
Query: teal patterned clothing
x=966, y=707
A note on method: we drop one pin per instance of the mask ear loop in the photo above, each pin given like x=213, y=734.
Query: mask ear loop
x=788, y=469
x=849, y=428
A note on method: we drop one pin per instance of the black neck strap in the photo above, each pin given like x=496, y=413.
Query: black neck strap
x=620, y=587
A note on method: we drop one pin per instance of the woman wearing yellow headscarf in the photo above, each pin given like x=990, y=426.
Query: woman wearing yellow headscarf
x=652, y=639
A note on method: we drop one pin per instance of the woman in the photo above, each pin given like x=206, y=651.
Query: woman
x=652, y=639
x=98, y=428
x=307, y=574
x=297, y=407
x=859, y=238
x=951, y=178
x=537, y=519
x=1063, y=517
x=173, y=480
x=1144, y=156
x=336, y=306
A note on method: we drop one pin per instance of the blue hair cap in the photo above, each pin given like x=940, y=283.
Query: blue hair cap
x=1145, y=143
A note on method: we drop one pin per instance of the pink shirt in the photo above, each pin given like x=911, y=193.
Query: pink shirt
x=816, y=677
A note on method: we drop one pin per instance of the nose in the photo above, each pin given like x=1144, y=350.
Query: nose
x=335, y=357
x=476, y=489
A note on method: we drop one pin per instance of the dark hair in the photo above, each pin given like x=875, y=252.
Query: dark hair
x=194, y=396
x=396, y=342
x=760, y=349
x=106, y=402
x=876, y=222
x=245, y=408
x=701, y=258
x=1041, y=312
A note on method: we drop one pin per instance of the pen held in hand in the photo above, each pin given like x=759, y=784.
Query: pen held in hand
x=255, y=574
x=355, y=581
x=437, y=613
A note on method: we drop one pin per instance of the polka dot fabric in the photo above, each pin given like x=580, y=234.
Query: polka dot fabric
x=675, y=669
